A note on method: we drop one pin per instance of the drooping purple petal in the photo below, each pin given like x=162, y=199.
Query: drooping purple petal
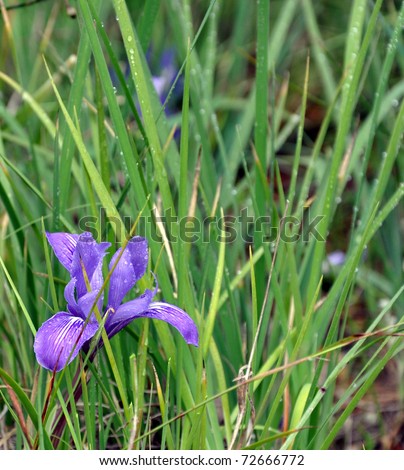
x=63, y=245
x=130, y=268
x=175, y=317
x=58, y=337
x=87, y=263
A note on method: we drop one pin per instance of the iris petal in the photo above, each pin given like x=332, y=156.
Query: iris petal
x=81, y=307
x=86, y=302
x=161, y=311
x=96, y=283
x=59, y=340
x=70, y=297
x=63, y=245
x=176, y=317
x=127, y=312
x=130, y=268
x=87, y=258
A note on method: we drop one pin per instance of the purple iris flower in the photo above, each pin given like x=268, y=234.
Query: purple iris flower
x=59, y=339
x=336, y=258
x=164, y=80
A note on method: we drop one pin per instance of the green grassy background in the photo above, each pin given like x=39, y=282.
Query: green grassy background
x=281, y=108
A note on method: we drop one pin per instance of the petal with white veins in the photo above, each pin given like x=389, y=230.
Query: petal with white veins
x=63, y=245
x=59, y=340
x=175, y=317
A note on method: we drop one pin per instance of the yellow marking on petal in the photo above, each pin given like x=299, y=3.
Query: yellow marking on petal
x=86, y=280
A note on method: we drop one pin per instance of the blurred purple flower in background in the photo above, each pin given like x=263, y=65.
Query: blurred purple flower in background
x=59, y=339
x=164, y=80
x=164, y=71
x=336, y=258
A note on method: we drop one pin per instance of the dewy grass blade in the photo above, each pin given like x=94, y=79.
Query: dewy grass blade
x=102, y=137
x=146, y=22
x=298, y=149
x=98, y=184
x=181, y=19
x=261, y=99
x=352, y=45
x=109, y=89
x=136, y=65
x=184, y=289
x=308, y=177
x=319, y=50
x=68, y=145
x=210, y=52
x=386, y=165
x=88, y=12
x=261, y=131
